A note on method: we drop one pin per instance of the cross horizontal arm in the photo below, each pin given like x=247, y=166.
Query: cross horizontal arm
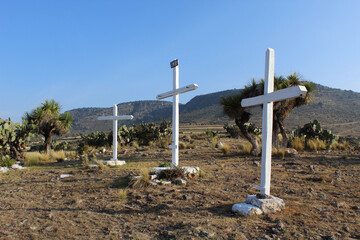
x=123, y=117
x=287, y=93
x=177, y=91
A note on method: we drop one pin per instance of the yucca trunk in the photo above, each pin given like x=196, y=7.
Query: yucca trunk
x=252, y=139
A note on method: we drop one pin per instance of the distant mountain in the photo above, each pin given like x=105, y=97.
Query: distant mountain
x=338, y=110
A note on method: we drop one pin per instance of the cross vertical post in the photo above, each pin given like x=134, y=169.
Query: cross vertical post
x=115, y=127
x=175, y=114
x=115, y=118
x=175, y=118
x=267, y=121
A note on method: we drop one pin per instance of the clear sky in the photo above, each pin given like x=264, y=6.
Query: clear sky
x=98, y=53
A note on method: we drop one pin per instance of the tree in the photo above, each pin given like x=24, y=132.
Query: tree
x=232, y=108
x=49, y=121
x=282, y=109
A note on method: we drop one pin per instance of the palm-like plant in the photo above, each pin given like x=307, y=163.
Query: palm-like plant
x=282, y=109
x=232, y=108
x=49, y=121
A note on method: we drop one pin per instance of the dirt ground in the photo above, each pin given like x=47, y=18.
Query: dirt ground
x=321, y=192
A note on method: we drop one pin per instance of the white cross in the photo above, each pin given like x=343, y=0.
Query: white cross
x=175, y=117
x=115, y=118
x=267, y=120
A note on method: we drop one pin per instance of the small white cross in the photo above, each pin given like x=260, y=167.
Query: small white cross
x=267, y=120
x=175, y=116
x=115, y=118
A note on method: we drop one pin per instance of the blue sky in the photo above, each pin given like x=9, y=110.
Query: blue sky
x=98, y=53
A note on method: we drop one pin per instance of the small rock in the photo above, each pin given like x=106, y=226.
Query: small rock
x=3, y=169
x=152, y=177
x=219, y=145
x=322, y=195
x=17, y=166
x=291, y=152
x=65, y=175
x=280, y=225
x=346, y=229
x=257, y=163
x=165, y=183
x=180, y=182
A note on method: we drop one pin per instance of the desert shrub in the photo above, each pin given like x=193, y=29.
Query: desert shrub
x=122, y=194
x=57, y=146
x=340, y=145
x=6, y=161
x=297, y=143
x=225, y=148
x=57, y=155
x=70, y=154
x=163, y=142
x=278, y=152
x=97, y=139
x=313, y=131
x=210, y=133
x=316, y=144
x=182, y=145
x=245, y=148
x=126, y=134
x=172, y=173
x=164, y=164
x=232, y=130
x=35, y=158
x=142, y=180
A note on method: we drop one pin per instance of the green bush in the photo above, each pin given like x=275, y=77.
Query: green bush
x=13, y=138
x=234, y=131
x=97, y=139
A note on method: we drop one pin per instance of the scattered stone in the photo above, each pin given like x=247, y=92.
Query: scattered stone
x=346, y=229
x=65, y=175
x=257, y=163
x=271, y=204
x=180, y=182
x=3, y=169
x=152, y=177
x=322, y=195
x=165, y=183
x=17, y=166
x=245, y=209
x=219, y=145
x=291, y=152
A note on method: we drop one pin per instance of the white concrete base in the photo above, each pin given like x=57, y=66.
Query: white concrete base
x=254, y=205
x=245, y=209
x=188, y=170
x=114, y=163
x=272, y=204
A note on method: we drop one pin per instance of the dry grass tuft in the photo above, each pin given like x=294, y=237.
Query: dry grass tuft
x=225, y=148
x=245, y=148
x=278, y=152
x=298, y=143
x=316, y=144
x=35, y=158
x=122, y=195
x=57, y=155
x=340, y=146
x=142, y=180
x=182, y=145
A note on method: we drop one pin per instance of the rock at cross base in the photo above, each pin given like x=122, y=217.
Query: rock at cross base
x=267, y=205
x=245, y=209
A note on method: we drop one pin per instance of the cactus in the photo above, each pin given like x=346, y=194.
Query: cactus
x=313, y=130
x=13, y=138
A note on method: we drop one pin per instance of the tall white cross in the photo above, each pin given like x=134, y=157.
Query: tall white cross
x=267, y=120
x=175, y=116
x=115, y=118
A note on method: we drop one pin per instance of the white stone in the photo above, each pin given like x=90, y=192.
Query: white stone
x=175, y=116
x=219, y=145
x=114, y=163
x=187, y=170
x=65, y=175
x=245, y=209
x=152, y=177
x=17, y=166
x=3, y=169
x=267, y=205
x=165, y=182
